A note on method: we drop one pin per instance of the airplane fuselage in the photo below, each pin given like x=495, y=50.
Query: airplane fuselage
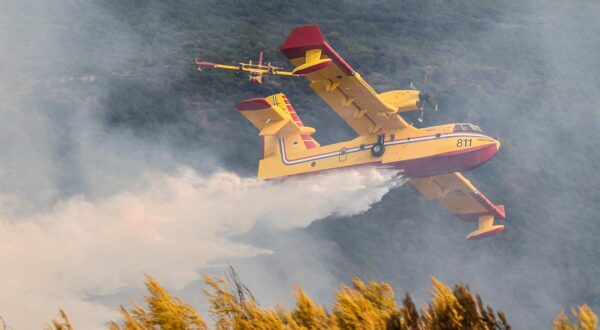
x=415, y=152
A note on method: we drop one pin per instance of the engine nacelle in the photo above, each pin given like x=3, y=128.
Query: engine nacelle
x=402, y=100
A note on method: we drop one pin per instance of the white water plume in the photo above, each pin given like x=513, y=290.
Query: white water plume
x=167, y=226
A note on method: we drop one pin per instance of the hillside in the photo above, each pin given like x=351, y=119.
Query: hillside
x=526, y=72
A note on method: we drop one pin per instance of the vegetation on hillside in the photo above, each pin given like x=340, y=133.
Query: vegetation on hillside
x=362, y=305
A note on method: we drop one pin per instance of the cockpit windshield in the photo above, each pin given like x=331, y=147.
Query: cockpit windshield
x=465, y=127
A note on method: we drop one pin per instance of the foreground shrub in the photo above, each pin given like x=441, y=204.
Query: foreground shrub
x=361, y=306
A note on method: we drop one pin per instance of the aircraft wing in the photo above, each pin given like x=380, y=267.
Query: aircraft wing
x=201, y=64
x=245, y=68
x=459, y=196
x=342, y=88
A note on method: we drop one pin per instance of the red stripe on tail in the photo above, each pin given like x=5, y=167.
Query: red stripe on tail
x=309, y=142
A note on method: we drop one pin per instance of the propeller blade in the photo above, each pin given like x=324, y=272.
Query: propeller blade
x=424, y=98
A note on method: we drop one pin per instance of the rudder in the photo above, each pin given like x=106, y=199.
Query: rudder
x=275, y=117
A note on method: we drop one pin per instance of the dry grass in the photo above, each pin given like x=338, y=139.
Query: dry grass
x=361, y=306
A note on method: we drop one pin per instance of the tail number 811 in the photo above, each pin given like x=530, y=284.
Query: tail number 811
x=464, y=142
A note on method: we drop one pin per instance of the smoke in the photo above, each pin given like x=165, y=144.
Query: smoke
x=167, y=226
x=87, y=208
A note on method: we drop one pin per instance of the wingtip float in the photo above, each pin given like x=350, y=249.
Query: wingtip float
x=431, y=157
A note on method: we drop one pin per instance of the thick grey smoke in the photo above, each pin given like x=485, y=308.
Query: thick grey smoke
x=85, y=211
x=167, y=226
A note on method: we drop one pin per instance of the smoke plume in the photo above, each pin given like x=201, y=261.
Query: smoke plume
x=167, y=226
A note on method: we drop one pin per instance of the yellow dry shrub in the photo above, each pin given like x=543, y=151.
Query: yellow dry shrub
x=62, y=323
x=307, y=314
x=364, y=306
x=444, y=311
x=561, y=322
x=163, y=312
x=232, y=311
x=585, y=319
x=129, y=322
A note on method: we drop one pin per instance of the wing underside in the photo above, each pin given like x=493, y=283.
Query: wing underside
x=342, y=88
x=250, y=68
x=459, y=196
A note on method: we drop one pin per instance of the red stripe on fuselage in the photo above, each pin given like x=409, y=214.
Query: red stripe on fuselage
x=454, y=161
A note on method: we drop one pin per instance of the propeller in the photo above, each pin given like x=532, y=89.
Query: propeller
x=424, y=100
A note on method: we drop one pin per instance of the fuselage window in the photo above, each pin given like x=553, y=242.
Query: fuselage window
x=467, y=128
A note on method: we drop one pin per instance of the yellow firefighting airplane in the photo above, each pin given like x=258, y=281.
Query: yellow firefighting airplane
x=255, y=71
x=431, y=157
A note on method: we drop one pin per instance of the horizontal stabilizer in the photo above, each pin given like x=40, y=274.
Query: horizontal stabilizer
x=273, y=128
x=253, y=104
x=285, y=128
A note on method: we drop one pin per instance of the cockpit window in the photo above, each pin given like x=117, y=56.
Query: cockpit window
x=465, y=127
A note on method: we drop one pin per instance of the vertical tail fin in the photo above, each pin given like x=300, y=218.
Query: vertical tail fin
x=275, y=117
x=307, y=139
